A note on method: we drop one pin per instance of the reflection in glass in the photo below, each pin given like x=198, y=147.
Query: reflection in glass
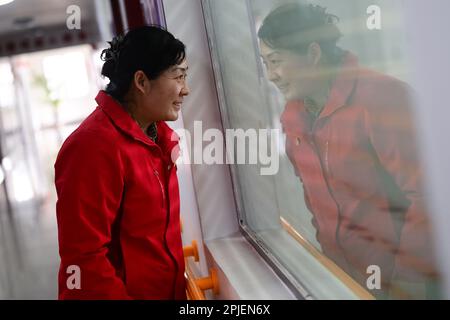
x=350, y=138
x=344, y=217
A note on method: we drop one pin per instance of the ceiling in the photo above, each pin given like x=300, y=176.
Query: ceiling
x=35, y=25
x=42, y=13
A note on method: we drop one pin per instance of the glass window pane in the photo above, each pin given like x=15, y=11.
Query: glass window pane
x=325, y=85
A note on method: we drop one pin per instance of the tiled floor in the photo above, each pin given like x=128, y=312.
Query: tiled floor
x=28, y=251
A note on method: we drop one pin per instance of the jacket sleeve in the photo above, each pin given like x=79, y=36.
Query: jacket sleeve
x=393, y=138
x=89, y=184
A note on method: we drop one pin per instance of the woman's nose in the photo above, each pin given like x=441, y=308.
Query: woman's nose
x=185, y=90
x=272, y=75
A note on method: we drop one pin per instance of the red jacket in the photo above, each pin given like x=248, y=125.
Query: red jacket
x=118, y=209
x=361, y=175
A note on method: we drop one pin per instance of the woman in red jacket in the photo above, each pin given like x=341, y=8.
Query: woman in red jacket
x=350, y=138
x=118, y=202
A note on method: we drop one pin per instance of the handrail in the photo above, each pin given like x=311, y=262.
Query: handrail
x=328, y=263
x=193, y=291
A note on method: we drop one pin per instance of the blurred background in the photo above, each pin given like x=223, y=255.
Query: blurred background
x=49, y=76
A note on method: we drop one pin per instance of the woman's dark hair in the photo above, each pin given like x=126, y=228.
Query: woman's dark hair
x=295, y=26
x=149, y=48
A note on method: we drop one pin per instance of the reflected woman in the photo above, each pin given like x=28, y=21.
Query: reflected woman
x=350, y=138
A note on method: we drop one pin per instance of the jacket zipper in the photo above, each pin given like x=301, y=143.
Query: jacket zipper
x=327, y=166
x=325, y=176
x=164, y=203
x=162, y=187
x=174, y=260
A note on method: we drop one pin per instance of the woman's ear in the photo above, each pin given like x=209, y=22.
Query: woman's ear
x=314, y=53
x=141, y=81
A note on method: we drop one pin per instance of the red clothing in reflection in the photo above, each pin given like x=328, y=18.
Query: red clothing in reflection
x=361, y=175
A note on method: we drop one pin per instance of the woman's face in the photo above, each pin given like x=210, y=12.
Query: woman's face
x=295, y=75
x=164, y=95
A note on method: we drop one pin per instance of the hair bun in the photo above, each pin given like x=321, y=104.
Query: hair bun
x=111, y=56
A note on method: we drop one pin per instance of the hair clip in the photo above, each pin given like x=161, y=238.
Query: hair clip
x=113, y=52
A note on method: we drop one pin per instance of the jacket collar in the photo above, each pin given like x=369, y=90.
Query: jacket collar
x=167, y=138
x=343, y=85
x=295, y=117
x=340, y=93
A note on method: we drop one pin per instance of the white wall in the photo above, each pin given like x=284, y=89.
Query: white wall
x=427, y=31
